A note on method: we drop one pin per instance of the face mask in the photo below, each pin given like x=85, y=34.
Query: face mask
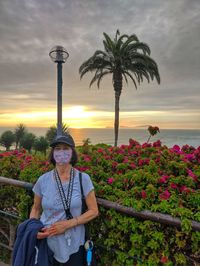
x=62, y=156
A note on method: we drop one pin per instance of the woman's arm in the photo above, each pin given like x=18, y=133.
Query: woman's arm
x=92, y=212
x=36, y=208
x=35, y=213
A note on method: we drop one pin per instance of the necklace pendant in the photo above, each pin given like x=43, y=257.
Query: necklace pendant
x=68, y=238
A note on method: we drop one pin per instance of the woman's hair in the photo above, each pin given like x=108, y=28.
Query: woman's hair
x=73, y=161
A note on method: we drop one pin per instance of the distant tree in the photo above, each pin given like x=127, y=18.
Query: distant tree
x=86, y=141
x=124, y=57
x=19, y=132
x=41, y=144
x=27, y=141
x=51, y=132
x=152, y=131
x=7, y=139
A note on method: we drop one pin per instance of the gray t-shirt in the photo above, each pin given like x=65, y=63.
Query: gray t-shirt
x=62, y=245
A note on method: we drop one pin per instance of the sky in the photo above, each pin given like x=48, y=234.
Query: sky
x=28, y=77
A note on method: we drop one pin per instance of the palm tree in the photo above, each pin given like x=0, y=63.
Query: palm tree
x=124, y=57
x=27, y=141
x=41, y=144
x=19, y=132
x=52, y=131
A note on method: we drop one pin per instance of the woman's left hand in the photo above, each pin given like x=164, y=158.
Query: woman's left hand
x=58, y=228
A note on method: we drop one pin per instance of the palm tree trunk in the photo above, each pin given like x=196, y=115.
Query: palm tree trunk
x=117, y=83
x=116, y=125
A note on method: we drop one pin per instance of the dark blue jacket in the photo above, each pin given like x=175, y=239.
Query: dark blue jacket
x=28, y=250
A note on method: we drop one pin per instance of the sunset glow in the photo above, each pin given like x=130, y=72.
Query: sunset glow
x=82, y=117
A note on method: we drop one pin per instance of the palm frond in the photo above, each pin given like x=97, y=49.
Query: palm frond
x=120, y=42
x=101, y=76
x=110, y=43
x=117, y=33
x=131, y=77
x=98, y=76
x=138, y=46
x=123, y=74
x=130, y=39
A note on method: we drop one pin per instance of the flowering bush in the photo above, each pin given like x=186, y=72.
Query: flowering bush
x=145, y=177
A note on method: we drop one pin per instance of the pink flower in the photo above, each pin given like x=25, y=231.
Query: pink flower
x=176, y=148
x=185, y=189
x=132, y=165
x=163, y=179
x=143, y=194
x=100, y=150
x=189, y=156
x=110, y=180
x=191, y=174
x=143, y=162
x=164, y=259
x=87, y=159
x=174, y=186
x=146, y=145
x=114, y=164
x=134, y=153
x=157, y=143
x=165, y=195
x=125, y=160
x=123, y=146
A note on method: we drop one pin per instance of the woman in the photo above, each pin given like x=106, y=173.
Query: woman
x=64, y=230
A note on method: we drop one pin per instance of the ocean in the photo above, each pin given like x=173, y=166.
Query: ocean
x=168, y=137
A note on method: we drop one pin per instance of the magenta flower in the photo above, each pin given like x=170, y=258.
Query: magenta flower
x=100, y=150
x=144, y=194
x=165, y=195
x=184, y=189
x=146, y=145
x=125, y=160
x=114, y=164
x=133, y=166
x=191, y=174
x=176, y=148
x=174, y=186
x=163, y=179
x=110, y=180
x=157, y=143
x=87, y=159
x=164, y=260
x=189, y=156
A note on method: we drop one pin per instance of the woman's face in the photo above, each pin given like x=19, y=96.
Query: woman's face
x=62, y=154
x=62, y=146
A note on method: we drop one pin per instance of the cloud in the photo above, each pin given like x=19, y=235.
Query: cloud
x=29, y=29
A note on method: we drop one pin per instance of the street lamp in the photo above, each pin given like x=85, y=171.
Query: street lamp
x=59, y=55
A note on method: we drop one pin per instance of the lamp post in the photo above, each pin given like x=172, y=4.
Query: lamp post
x=59, y=55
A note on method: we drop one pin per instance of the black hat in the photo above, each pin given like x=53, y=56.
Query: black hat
x=67, y=139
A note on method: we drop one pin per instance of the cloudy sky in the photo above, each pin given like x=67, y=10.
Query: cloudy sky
x=30, y=28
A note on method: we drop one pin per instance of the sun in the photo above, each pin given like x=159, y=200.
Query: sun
x=77, y=116
x=76, y=111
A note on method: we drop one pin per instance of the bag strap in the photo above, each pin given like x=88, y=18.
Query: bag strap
x=84, y=206
x=65, y=201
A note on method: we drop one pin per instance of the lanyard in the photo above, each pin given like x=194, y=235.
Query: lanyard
x=65, y=201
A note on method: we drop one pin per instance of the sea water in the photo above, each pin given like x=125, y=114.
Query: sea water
x=168, y=137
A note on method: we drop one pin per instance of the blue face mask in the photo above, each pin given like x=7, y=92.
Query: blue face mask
x=62, y=156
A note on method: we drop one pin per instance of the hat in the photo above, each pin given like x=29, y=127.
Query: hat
x=67, y=139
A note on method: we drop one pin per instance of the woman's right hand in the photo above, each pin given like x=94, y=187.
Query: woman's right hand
x=43, y=233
